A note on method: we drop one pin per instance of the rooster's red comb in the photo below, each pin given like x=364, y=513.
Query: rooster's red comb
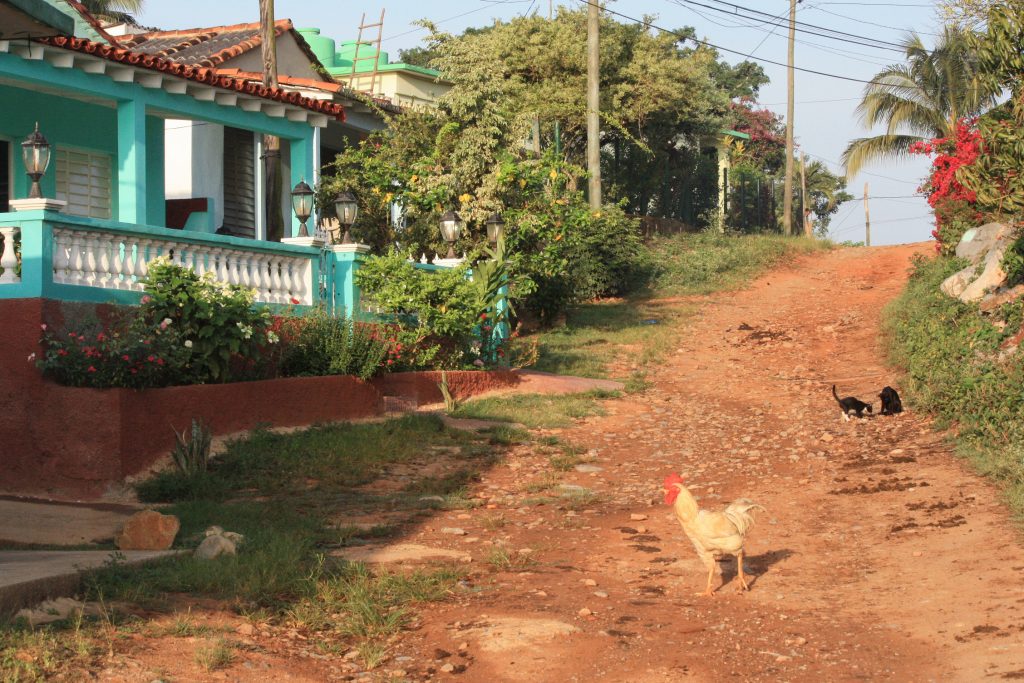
x=673, y=479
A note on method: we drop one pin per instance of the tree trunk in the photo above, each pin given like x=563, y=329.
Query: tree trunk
x=274, y=219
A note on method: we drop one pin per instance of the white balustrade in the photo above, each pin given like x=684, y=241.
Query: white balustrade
x=117, y=261
x=8, y=257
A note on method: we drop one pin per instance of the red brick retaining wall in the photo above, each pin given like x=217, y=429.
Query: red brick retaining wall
x=74, y=442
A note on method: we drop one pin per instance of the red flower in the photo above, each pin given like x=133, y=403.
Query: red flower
x=151, y=358
x=159, y=361
x=92, y=369
x=294, y=301
x=62, y=352
x=125, y=358
x=483, y=316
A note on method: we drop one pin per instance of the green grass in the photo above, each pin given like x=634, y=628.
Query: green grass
x=624, y=338
x=218, y=654
x=536, y=410
x=280, y=491
x=950, y=354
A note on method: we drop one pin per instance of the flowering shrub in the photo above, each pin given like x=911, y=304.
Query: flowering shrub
x=129, y=354
x=187, y=330
x=954, y=203
x=216, y=322
x=320, y=344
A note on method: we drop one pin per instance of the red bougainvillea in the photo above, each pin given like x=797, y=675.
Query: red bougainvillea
x=952, y=202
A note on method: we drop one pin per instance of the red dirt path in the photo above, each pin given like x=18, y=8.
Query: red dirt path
x=881, y=558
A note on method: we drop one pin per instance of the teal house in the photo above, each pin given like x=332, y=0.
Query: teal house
x=102, y=213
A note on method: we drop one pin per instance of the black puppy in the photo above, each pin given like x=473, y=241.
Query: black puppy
x=851, y=405
x=891, y=403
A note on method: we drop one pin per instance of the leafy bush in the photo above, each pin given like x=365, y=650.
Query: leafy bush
x=217, y=321
x=187, y=330
x=129, y=353
x=957, y=369
x=321, y=344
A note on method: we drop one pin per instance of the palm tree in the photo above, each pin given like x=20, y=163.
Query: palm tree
x=921, y=99
x=117, y=11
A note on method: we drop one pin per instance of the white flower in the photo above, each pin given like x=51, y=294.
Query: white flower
x=31, y=357
x=272, y=338
x=165, y=322
x=188, y=343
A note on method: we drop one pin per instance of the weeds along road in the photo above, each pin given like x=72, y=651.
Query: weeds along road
x=881, y=556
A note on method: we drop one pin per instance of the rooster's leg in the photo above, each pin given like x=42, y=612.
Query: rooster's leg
x=744, y=586
x=709, y=561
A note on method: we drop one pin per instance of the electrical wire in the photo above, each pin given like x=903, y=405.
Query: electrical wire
x=706, y=43
x=770, y=32
x=811, y=29
x=871, y=23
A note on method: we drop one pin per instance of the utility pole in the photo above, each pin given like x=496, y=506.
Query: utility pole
x=787, y=200
x=271, y=144
x=803, y=195
x=593, y=104
x=867, y=218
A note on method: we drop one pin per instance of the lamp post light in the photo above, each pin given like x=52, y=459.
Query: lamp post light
x=346, y=207
x=35, y=152
x=451, y=227
x=302, y=204
x=495, y=228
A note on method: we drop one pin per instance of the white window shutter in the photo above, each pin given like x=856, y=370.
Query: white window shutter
x=84, y=181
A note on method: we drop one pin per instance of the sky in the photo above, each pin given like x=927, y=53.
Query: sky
x=824, y=119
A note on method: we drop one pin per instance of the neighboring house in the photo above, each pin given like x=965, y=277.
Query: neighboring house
x=366, y=69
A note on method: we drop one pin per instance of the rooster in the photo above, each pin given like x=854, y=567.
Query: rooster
x=713, y=533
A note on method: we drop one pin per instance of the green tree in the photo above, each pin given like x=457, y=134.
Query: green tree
x=114, y=10
x=921, y=99
x=825, y=192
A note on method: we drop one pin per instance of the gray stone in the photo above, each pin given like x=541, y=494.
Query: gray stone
x=56, y=610
x=453, y=530
x=956, y=283
x=1003, y=296
x=216, y=545
x=992, y=276
x=977, y=242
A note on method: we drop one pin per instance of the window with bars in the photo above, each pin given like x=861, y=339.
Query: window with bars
x=84, y=182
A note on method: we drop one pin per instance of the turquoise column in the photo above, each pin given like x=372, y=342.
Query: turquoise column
x=131, y=162
x=36, y=255
x=301, y=152
x=343, y=291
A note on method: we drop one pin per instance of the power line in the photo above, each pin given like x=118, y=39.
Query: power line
x=871, y=23
x=770, y=32
x=705, y=43
x=441, y=21
x=820, y=31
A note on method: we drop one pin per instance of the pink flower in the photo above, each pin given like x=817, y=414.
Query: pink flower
x=62, y=352
x=146, y=299
x=151, y=358
x=43, y=327
x=159, y=361
x=92, y=369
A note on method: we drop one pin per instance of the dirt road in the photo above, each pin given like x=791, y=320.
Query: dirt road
x=881, y=558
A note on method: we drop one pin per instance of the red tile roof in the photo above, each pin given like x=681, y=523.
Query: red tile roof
x=309, y=83
x=92, y=21
x=196, y=73
x=213, y=45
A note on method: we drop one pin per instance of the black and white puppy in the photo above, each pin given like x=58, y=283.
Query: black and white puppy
x=891, y=403
x=851, y=405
